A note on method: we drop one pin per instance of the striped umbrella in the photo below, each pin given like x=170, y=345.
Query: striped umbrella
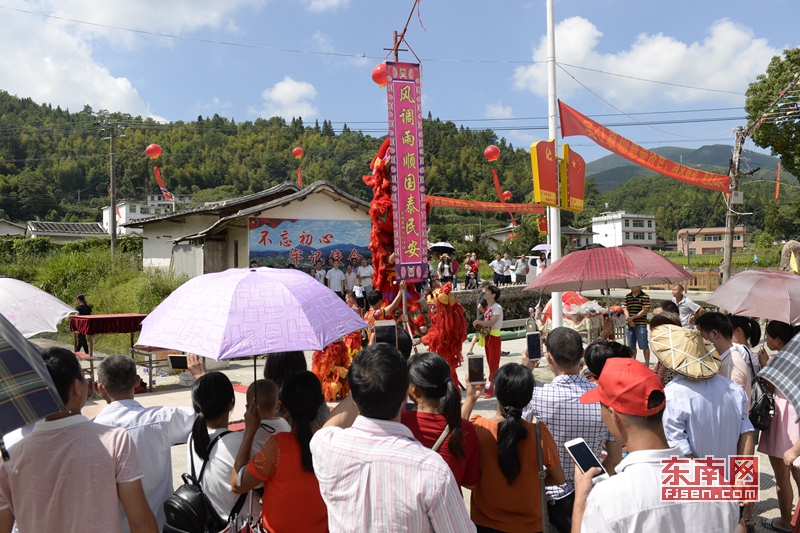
x=608, y=268
x=27, y=392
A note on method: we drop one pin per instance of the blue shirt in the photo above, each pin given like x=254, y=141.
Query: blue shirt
x=558, y=405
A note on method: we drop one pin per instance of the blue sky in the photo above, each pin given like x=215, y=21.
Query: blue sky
x=712, y=44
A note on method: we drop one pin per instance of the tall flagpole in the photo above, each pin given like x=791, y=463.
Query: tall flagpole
x=554, y=214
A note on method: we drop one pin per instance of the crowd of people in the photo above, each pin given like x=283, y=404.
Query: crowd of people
x=395, y=454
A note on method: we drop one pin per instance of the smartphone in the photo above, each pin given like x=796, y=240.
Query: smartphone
x=584, y=458
x=386, y=331
x=178, y=362
x=475, y=369
x=534, y=339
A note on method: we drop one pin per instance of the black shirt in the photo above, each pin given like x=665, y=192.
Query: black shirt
x=84, y=309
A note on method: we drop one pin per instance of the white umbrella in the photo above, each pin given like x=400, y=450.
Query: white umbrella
x=29, y=309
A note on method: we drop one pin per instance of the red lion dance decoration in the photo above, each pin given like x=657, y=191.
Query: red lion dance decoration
x=381, y=242
x=331, y=366
x=448, y=329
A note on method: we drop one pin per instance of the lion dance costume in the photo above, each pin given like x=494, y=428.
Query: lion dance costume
x=448, y=327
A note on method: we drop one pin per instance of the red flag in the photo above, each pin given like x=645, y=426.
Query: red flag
x=574, y=123
x=164, y=191
x=544, y=165
x=778, y=182
x=299, y=178
x=573, y=180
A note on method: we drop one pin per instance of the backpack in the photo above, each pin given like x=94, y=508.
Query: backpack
x=188, y=509
x=762, y=403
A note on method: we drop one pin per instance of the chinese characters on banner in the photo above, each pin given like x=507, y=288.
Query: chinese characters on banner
x=277, y=242
x=573, y=179
x=544, y=163
x=407, y=167
x=574, y=123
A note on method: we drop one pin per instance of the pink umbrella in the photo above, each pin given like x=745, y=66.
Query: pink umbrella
x=604, y=268
x=246, y=312
x=768, y=294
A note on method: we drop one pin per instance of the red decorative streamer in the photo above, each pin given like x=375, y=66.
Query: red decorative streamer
x=474, y=205
x=500, y=193
x=164, y=191
x=299, y=178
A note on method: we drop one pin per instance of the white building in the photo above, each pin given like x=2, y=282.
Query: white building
x=158, y=200
x=129, y=212
x=11, y=228
x=621, y=228
x=61, y=232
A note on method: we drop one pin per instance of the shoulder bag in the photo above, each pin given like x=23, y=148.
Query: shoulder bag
x=542, y=475
x=762, y=403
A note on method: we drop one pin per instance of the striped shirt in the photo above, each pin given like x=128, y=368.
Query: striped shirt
x=705, y=416
x=374, y=476
x=634, y=304
x=558, y=405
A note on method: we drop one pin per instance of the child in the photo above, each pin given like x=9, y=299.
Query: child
x=378, y=312
x=267, y=396
x=350, y=299
x=472, y=281
x=358, y=291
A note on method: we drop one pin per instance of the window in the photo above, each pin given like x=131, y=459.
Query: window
x=649, y=223
x=627, y=223
x=638, y=223
x=649, y=236
x=627, y=235
x=145, y=211
x=638, y=236
x=132, y=208
x=158, y=211
x=712, y=238
x=737, y=237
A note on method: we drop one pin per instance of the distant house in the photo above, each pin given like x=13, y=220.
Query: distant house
x=158, y=200
x=8, y=228
x=317, y=222
x=128, y=212
x=497, y=237
x=621, y=228
x=62, y=232
x=708, y=241
x=159, y=231
x=578, y=237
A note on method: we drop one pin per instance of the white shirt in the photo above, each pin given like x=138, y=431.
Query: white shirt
x=631, y=501
x=705, y=416
x=335, y=278
x=735, y=368
x=365, y=273
x=375, y=476
x=320, y=276
x=499, y=267
x=359, y=291
x=493, y=311
x=154, y=430
x=350, y=280
x=686, y=308
x=267, y=430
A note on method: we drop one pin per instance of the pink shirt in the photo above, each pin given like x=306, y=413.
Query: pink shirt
x=63, y=477
x=375, y=476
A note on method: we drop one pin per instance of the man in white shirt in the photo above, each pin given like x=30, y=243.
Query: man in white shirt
x=69, y=474
x=717, y=329
x=507, y=270
x=499, y=268
x=365, y=272
x=521, y=269
x=373, y=474
x=687, y=309
x=632, y=401
x=335, y=279
x=154, y=430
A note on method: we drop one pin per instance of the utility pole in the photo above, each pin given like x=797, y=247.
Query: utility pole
x=553, y=213
x=112, y=212
x=730, y=215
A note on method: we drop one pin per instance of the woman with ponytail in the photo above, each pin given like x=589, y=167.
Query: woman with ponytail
x=437, y=417
x=292, y=501
x=747, y=332
x=213, y=400
x=507, y=498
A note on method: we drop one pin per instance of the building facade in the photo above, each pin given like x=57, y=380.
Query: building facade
x=708, y=241
x=8, y=228
x=621, y=228
x=61, y=232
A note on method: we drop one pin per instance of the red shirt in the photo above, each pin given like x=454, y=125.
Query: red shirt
x=428, y=427
x=292, y=501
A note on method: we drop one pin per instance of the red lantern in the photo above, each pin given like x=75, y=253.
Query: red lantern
x=492, y=152
x=298, y=153
x=379, y=75
x=153, y=151
x=507, y=195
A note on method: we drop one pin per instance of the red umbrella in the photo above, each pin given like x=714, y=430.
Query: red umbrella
x=604, y=268
x=768, y=294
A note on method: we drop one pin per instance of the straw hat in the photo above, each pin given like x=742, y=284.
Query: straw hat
x=684, y=351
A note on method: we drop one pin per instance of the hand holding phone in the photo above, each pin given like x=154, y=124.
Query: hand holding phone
x=475, y=369
x=386, y=331
x=585, y=459
x=534, y=339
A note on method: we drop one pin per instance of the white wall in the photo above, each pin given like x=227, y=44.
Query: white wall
x=10, y=229
x=157, y=248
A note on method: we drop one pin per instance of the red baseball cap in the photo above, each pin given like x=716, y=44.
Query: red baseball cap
x=625, y=386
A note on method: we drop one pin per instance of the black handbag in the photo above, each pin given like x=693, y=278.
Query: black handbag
x=188, y=509
x=762, y=403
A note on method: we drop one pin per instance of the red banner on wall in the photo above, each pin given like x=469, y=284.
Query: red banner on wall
x=544, y=165
x=573, y=180
x=574, y=123
x=407, y=167
x=473, y=205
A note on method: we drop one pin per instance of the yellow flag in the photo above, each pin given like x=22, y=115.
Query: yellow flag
x=793, y=263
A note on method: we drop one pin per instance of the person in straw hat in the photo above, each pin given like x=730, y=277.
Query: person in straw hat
x=632, y=403
x=706, y=413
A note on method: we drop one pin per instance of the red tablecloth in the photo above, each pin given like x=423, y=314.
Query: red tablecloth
x=94, y=324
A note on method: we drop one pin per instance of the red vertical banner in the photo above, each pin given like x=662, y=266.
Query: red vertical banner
x=544, y=164
x=778, y=182
x=573, y=180
x=407, y=167
x=541, y=225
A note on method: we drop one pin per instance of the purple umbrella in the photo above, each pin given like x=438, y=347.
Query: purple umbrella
x=768, y=294
x=540, y=248
x=246, y=312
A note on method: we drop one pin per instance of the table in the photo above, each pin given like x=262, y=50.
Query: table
x=91, y=325
x=148, y=352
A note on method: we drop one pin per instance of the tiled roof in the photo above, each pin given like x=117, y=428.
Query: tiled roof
x=21, y=226
x=76, y=228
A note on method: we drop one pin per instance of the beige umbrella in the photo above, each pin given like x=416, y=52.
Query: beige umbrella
x=684, y=351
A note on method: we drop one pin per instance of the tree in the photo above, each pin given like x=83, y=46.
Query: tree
x=782, y=137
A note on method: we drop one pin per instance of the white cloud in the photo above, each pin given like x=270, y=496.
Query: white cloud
x=728, y=58
x=288, y=99
x=319, y=6
x=52, y=61
x=498, y=110
x=215, y=105
x=323, y=43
